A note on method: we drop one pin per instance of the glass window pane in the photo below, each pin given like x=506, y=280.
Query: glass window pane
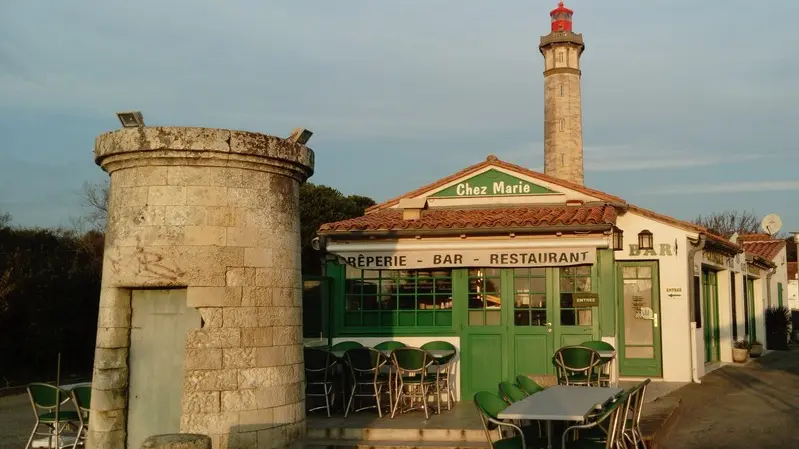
x=640, y=352
x=538, y=300
x=629, y=273
x=371, y=274
x=476, y=301
x=353, y=302
x=476, y=318
x=637, y=295
x=521, y=318
x=493, y=317
x=538, y=317
x=493, y=301
x=521, y=284
x=407, y=302
x=644, y=272
x=522, y=300
x=582, y=284
x=566, y=284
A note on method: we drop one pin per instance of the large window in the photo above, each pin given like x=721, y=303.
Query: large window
x=574, y=280
x=393, y=298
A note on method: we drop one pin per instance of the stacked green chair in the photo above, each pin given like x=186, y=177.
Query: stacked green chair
x=528, y=385
x=389, y=368
x=365, y=365
x=342, y=370
x=46, y=401
x=413, y=379
x=320, y=367
x=604, y=362
x=444, y=367
x=632, y=431
x=82, y=398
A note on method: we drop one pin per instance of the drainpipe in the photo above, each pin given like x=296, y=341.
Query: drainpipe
x=770, y=273
x=695, y=248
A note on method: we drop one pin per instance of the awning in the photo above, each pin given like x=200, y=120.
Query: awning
x=475, y=253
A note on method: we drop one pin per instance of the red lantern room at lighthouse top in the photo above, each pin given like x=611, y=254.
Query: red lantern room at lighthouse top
x=561, y=18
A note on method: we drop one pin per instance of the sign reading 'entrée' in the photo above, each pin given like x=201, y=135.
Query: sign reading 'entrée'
x=405, y=260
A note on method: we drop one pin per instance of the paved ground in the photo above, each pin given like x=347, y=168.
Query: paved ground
x=16, y=421
x=754, y=406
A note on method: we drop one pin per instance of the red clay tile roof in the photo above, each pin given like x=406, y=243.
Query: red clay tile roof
x=767, y=249
x=505, y=217
x=792, y=270
x=753, y=237
x=492, y=161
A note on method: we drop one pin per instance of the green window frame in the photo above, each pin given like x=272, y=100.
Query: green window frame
x=576, y=279
x=383, y=301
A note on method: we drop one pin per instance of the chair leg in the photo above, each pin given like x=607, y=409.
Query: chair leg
x=397, y=397
x=352, y=397
x=378, y=389
x=77, y=437
x=425, y=392
x=33, y=433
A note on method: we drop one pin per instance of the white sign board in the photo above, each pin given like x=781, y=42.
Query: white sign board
x=511, y=258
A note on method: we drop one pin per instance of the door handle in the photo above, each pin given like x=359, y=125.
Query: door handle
x=655, y=319
x=549, y=324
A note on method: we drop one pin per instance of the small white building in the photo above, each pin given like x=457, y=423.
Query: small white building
x=793, y=286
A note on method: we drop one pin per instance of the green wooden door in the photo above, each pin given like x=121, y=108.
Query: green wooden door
x=710, y=311
x=639, y=346
x=484, y=329
x=749, y=307
x=531, y=333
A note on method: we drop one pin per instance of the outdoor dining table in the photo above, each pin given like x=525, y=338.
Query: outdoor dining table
x=559, y=403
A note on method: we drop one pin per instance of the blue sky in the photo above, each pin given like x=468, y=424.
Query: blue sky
x=688, y=106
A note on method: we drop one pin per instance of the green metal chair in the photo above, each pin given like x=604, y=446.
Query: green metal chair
x=511, y=436
x=342, y=370
x=604, y=362
x=444, y=365
x=511, y=392
x=365, y=365
x=413, y=379
x=81, y=398
x=606, y=431
x=632, y=431
x=577, y=365
x=47, y=401
x=320, y=368
x=528, y=385
x=389, y=368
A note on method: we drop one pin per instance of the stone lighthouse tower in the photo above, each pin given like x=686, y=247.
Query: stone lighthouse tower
x=563, y=115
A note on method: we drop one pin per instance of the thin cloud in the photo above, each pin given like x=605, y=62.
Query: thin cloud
x=726, y=187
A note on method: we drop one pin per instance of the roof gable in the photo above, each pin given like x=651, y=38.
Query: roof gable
x=491, y=182
x=514, y=171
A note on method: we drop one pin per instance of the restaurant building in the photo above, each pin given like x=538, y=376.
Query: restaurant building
x=509, y=264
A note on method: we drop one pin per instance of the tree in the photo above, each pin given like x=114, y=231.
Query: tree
x=729, y=222
x=5, y=220
x=95, y=199
x=321, y=204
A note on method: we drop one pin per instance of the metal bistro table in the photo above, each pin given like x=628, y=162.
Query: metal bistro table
x=559, y=403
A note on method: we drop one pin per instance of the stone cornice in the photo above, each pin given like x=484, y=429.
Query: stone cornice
x=558, y=70
x=131, y=147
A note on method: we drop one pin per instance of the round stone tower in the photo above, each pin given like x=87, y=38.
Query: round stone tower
x=563, y=115
x=200, y=322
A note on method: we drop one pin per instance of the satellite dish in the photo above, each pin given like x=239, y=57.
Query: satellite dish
x=771, y=224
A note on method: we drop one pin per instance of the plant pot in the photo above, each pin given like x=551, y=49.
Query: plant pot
x=756, y=351
x=777, y=341
x=740, y=355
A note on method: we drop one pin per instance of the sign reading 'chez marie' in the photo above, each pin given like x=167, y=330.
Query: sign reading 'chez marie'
x=492, y=183
x=417, y=259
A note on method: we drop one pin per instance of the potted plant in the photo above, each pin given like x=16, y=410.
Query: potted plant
x=740, y=351
x=778, y=327
x=755, y=349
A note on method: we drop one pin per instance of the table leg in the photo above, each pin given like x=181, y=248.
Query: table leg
x=549, y=434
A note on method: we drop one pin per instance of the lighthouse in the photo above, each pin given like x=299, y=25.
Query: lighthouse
x=563, y=115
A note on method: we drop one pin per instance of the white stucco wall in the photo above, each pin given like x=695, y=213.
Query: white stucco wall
x=793, y=294
x=780, y=276
x=674, y=316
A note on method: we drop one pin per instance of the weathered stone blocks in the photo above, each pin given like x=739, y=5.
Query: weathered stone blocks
x=216, y=212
